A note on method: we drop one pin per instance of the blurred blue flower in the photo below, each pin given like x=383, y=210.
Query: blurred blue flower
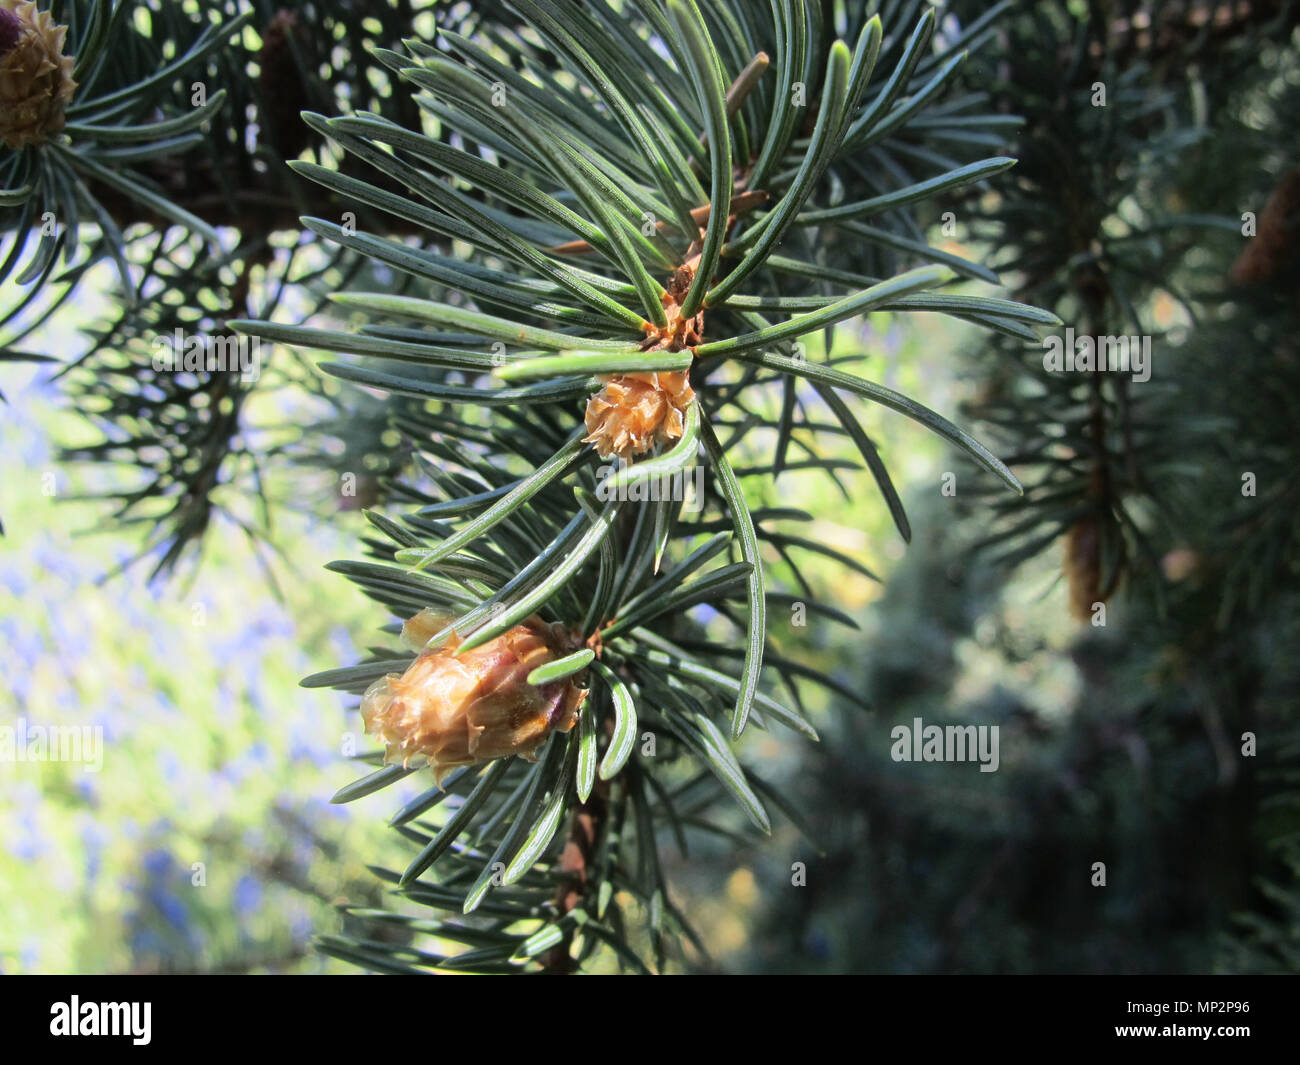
x=170, y=766
x=175, y=912
x=247, y=895
x=158, y=863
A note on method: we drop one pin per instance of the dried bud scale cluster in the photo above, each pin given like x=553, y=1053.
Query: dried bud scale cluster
x=635, y=411
x=35, y=76
x=457, y=710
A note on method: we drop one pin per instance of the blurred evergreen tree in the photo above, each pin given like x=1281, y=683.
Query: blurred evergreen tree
x=1173, y=506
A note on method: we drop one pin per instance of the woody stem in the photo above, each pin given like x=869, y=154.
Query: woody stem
x=586, y=826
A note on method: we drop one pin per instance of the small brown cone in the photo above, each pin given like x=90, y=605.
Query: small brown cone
x=635, y=411
x=35, y=76
x=457, y=710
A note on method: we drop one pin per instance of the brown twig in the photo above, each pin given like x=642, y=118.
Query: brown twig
x=586, y=827
x=736, y=96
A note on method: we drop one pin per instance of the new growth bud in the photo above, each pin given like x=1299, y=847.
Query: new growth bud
x=35, y=76
x=635, y=411
x=457, y=710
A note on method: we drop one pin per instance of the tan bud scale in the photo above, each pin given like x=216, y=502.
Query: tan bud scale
x=457, y=710
x=35, y=76
x=635, y=411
